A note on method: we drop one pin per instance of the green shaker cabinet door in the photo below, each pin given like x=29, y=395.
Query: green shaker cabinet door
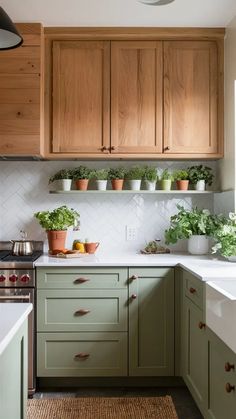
x=195, y=353
x=151, y=322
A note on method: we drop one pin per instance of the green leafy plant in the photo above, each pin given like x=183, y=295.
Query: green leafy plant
x=225, y=237
x=135, y=173
x=61, y=174
x=58, y=219
x=150, y=174
x=166, y=175
x=181, y=175
x=116, y=173
x=200, y=172
x=81, y=172
x=100, y=174
x=188, y=223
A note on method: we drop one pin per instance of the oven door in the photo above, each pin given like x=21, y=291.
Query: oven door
x=25, y=295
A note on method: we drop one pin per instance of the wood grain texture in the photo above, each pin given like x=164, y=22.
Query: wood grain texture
x=20, y=145
x=20, y=96
x=190, y=97
x=80, y=96
x=136, y=97
x=20, y=60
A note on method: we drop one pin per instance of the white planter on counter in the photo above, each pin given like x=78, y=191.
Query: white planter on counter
x=198, y=245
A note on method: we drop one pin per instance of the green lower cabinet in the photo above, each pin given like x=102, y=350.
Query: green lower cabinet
x=13, y=376
x=82, y=354
x=222, y=380
x=151, y=322
x=195, y=353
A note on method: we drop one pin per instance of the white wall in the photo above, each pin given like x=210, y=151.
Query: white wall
x=24, y=190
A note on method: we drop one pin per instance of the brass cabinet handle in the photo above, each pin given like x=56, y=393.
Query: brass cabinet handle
x=192, y=290
x=82, y=355
x=81, y=312
x=133, y=296
x=229, y=387
x=229, y=367
x=201, y=325
x=80, y=280
x=134, y=277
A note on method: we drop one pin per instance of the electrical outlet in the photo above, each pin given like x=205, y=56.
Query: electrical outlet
x=131, y=233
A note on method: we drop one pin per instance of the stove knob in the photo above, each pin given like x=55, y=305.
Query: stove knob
x=2, y=278
x=13, y=278
x=25, y=278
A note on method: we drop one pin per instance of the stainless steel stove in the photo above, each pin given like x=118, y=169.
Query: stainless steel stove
x=17, y=285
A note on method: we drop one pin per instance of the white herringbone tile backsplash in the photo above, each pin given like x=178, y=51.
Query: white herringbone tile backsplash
x=24, y=190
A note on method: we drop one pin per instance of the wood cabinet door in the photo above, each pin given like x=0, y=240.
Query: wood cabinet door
x=151, y=322
x=136, y=97
x=81, y=80
x=190, y=97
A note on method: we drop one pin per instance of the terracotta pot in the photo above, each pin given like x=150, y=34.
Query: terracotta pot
x=91, y=247
x=56, y=239
x=117, y=184
x=182, y=185
x=82, y=184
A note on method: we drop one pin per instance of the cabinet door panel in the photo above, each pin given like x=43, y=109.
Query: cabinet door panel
x=151, y=323
x=136, y=97
x=81, y=79
x=190, y=97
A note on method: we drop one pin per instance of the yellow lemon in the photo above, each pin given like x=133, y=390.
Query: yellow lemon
x=80, y=247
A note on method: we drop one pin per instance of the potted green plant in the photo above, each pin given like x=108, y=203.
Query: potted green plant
x=56, y=223
x=225, y=238
x=166, y=180
x=196, y=225
x=200, y=176
x=100, y=176
x=63, y=178
x=116, y=176
x=150, y=178
x=134, y=176
x=81, y=176
x=182, y=179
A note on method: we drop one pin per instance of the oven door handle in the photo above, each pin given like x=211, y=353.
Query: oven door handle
x=15, y=297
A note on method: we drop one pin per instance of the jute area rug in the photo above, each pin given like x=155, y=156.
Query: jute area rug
x=102, y=407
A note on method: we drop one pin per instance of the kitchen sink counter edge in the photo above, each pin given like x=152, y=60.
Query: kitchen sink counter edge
x=205, y=267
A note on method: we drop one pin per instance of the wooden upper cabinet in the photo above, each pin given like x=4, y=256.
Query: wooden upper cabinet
x=136, y=97
x=20, y=95
x=81, y=98
x=192, y=122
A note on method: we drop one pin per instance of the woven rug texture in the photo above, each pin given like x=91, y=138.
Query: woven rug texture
x=104, y=408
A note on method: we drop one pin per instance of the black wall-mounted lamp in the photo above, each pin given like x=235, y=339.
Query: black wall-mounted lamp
x=9, y=35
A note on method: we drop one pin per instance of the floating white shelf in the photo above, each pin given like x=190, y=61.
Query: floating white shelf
x=125, y=191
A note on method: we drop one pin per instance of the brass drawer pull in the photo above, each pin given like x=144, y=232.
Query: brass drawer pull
x=229, y=387
x=229, y=367
x=134, y=277
x=80, y=280
x=82, y=355
x=192, y=290
x=81, y=312
x=201, y=325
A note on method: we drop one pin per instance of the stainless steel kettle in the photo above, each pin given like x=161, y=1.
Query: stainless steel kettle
x=22, y=247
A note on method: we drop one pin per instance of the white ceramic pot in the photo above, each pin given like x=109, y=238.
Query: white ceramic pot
x=200, y=185
x=150, y=186
x=135, y=184
x=64, y=184
x=198, y=245
x=101, y=185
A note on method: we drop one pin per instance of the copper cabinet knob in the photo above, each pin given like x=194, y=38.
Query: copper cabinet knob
x=113, y=148
x=229, y=387
x=134, y=296
x=192, y=290
x=167, y=148
x=82, y=355
x=201, y=325
x=229, y=367
x=81, y=312
x=80, y=280
x=134, y=277
x=104, y=148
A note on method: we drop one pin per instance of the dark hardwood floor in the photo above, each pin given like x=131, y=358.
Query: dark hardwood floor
x=183, y=401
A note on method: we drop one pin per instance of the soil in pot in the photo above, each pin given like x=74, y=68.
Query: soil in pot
x=56, y=239
x=117, y=184
x=82, y=184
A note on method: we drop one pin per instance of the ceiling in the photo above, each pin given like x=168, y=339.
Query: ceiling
x=199, y=13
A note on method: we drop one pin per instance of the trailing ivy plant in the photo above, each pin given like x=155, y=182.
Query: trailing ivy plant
x=225, y=237
x=58, y=219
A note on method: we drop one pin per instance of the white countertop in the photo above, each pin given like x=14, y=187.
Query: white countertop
x=205, y=267
x=12, y=316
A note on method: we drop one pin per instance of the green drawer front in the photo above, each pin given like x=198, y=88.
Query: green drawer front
x=104, y=310
x=193, y=289
x=77, y=278
x=81, y=354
